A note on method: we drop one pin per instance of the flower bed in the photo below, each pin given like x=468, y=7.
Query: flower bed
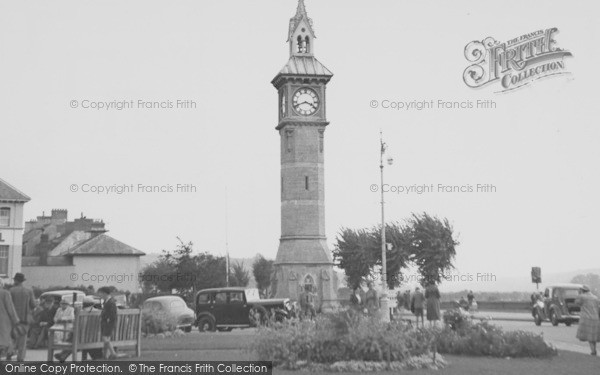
x=340, y=337
x=462, y=335
x=345, y=340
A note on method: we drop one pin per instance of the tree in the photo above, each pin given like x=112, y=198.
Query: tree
x=591, y=279
x=424, y=241
x=431, y=246
x=263, y=270
x=184, y=271
x=239, y=276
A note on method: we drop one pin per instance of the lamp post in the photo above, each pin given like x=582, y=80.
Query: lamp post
x=385, y=310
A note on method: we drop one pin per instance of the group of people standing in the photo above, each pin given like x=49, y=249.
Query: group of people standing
x=21, y=319
x=426, y=303
x=367, y=302
x=420, y=303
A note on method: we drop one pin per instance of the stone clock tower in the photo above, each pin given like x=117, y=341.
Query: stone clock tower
x=303, y=257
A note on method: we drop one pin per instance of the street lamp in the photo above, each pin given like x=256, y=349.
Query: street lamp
x=384, y=299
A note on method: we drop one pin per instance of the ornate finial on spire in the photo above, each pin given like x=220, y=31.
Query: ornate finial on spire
x=301, y=10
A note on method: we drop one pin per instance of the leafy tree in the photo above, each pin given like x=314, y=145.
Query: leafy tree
x=591, y=279
x=356, y=253
x=424, y=241
x=156, y=276
x=431, y=246
x=239, y=276
x=184, y=271
x=263, y=270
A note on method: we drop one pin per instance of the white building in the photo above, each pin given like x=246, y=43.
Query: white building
x=12, y=202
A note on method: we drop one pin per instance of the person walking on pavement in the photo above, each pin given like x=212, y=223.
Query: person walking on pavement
x=416, y=306
x=24, y=302
x=8, y=320
x=589, y=318
x=432, y=295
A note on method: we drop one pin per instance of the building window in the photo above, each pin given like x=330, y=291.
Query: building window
x=309, y=283
x=3, y=260
x=306, y=182
x=4, y=217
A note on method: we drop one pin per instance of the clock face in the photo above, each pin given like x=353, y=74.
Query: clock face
x=305, y=101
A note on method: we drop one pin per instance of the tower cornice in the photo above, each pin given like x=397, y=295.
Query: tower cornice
x=285, y=123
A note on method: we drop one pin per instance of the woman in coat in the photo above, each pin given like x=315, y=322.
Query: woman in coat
x=432, y=295
x=8, y=319
x=589, y=319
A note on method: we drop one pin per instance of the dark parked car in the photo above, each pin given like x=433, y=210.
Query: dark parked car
x=172, y=308
x=557, y=305
x=228, y=308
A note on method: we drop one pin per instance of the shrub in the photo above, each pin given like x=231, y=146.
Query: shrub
x=463, y=336
x=157, y=322
x=343, y=336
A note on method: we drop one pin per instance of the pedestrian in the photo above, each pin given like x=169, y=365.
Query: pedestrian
x=589, y=318
x=416, y=305
x=24, y=304
x=307, y=302
x=8, y=320
x=371, y=299
x=63, y=319
x=470, y=298
x=432, y=294
x=108, y=321
x=407, y=299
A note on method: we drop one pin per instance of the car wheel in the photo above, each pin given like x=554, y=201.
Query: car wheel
x=553, y=318
x=187, y=329
x=568, y=323
x=206, y=324
x=258, y=316
x=538, y=319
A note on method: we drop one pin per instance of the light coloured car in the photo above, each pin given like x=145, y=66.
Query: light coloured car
x=172, y=308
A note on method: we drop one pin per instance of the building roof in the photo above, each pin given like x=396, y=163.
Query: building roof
x=11, y=194
x=103, y=244
x=305, y=66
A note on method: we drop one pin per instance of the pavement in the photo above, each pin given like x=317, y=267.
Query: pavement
x=511, y=316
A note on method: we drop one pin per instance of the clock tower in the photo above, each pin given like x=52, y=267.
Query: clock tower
x=303, y=257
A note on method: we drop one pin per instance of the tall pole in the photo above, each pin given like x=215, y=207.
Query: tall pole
x=384, y=300
x=226, y=240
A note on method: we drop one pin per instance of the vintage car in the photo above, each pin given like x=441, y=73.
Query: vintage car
x=557, y=305
x=172, y=308
x=224, y=309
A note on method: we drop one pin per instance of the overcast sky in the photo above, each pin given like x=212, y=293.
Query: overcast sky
x=539, y=147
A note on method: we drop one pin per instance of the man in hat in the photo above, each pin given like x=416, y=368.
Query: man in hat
x=8, y=319
x=24, y=304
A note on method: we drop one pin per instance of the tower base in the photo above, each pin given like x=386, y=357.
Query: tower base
x=292, y=279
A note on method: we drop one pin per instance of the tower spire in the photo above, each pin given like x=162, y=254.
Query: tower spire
x=301, y=10
x=301, y=33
